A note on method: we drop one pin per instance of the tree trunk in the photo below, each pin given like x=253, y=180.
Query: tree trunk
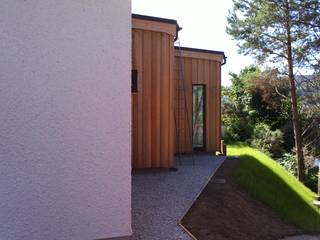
x=296, y=126
x=294, y=105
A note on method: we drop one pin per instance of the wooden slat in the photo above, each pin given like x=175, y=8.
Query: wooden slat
x=188, y=81
x=167, y=105
x=215, y=79
x=209, y=112
x=177, y=106
x=184, y=96
x=218, y=107
x=156, y=51
x=164, y=97
x=171, y=104
x=201, y=77
x=194, y=71
x=139, y=63
x=147, y=95
x=182, y=107
x=211, y=116
x=184, y=126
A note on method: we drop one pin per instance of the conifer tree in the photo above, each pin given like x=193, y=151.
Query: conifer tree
x=284, y=33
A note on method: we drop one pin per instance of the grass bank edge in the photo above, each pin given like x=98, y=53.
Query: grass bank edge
x=270, y=183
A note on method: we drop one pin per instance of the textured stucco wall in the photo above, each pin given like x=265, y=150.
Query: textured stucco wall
x=65, y=119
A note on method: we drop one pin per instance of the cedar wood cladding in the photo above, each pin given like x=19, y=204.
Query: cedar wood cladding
x=155, y=104
x=198, y=67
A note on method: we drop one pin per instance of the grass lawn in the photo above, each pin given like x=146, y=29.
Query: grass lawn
x=268, y=182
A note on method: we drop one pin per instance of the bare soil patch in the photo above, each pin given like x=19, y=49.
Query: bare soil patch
x=225, y=211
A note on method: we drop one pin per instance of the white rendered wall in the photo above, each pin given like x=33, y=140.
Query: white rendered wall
x=65, y=168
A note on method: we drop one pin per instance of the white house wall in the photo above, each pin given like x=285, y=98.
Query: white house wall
x=65, y=119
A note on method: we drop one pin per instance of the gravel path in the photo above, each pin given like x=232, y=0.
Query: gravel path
x=160, y=198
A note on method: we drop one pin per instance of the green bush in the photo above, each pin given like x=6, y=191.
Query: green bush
x=311, y=179
x=266, y=140
x=238, y=131
x=289, y=162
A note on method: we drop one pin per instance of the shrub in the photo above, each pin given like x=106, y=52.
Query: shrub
x=267, y=140
x=311, y=179
x=289, y=162
x=238, y=131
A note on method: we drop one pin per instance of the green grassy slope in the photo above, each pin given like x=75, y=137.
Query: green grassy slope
x=267, y=181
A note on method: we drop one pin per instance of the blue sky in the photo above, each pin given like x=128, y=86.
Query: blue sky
x=204, y=23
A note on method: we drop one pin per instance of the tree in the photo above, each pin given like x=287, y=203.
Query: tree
x=283, y=33
x=252, y=99
x=236, y=107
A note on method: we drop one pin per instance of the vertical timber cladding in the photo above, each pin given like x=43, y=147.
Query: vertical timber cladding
x=153, y=103
x=196, y=66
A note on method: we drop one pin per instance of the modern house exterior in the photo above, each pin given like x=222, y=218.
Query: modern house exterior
x=198, y=93
x=71, y=130
x=167, y=80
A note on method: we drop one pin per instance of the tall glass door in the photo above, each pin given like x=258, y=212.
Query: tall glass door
x=198, y=117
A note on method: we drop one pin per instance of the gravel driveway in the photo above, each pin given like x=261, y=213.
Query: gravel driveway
x=160, y=198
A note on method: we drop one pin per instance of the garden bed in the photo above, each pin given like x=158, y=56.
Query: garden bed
x=224, y=210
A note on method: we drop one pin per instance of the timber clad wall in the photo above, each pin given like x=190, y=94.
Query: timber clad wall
x=153, y=104
x=159, y=101
x=198, y=68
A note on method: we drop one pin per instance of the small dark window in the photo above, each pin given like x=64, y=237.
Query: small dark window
x=134, y=81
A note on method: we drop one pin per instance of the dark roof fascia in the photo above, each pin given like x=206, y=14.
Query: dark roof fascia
x=157, y=19
x=199, y=50
x=203, y=51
